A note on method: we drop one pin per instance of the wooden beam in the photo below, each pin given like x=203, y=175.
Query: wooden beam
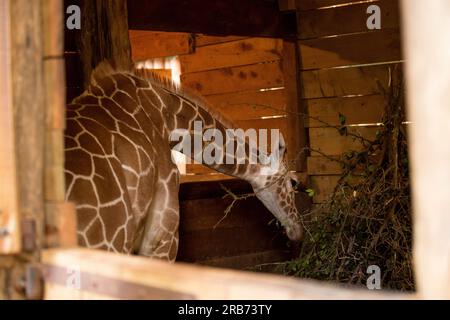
x=295, y=108
x=9, y=210
x=129, y=277
x=214, y=17
x=428, y=75
x=104, y=35
x=150, y=44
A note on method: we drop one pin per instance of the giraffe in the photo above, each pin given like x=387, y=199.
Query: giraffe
x=119, y=170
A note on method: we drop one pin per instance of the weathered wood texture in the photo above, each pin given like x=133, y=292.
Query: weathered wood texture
x=125, y=277
x=345, y=19
x=9, y=214
x=428, y=76
x=25, y=94
x=216, y=17
x=345, y=68
x=148, y=44
x=104, y=35
x=210, y=236
x=60, y=224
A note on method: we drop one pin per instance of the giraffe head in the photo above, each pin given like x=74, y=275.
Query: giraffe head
x=275, y=187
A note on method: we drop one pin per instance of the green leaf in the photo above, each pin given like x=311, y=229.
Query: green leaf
x=310, y=192
x=342, y=119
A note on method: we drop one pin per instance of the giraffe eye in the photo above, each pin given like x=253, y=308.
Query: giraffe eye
x=294, y=183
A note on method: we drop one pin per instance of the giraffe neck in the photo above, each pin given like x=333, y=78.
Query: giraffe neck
x=194, y=116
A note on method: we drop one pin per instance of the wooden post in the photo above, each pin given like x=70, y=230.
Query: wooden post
x=428, y=82
x=60, y=224
x=22, y=33
x=297, y=133
x=9, y=211
x=104, y=35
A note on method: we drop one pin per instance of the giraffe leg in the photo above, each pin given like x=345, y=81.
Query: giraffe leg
x=160, y=238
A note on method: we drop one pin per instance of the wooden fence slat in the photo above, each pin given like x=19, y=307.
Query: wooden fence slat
x=9, y=207
x=250, y=212
x=205, y=40
x=330, y=142
x=347, y=19
x=353, y=49
x=276, y=123
x=345, y=81
x=428, y=79
x=232, y=54
x=251, y=104
x=323, y=166
x=314, y=4
x=149, y=44
x=127, y=276
x=323, y=187
x=356, y=110
x=236, y=79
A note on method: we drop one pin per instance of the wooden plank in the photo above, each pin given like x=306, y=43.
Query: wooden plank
x=197, y=168
x=323, y=187
x=315, y=4
x=287, y=5
x=356, y=110
x=353, y=49
x=9, y=208
x=346, y=19
x=231, y=54
x=237, y=79
x=296, y=135
x=209, y=214
x=250, y=104
x=249, y=260
x=277, y=123
x=329, y=165
x=323, y=166
x=330, y=142
x=104, y=35
x=127, y=276
x=205, y=40
x=150, y=44
x=207, y=244
x=186, y=178
x=201, y=190
x=428, y=78
x=215, y=17
x=345, y=81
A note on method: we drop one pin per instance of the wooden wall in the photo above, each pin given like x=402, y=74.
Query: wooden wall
x=242, y=77
x=245, y=237
x=341, y=62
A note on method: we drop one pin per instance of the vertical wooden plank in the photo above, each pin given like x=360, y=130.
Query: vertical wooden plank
x=297, y=133
x=9, y=211
x=428, y=75
x=24, y=76
x=104, y=35
x=60, y=217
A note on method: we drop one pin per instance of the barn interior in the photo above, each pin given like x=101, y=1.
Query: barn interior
x=282, y=62
x=317, y=70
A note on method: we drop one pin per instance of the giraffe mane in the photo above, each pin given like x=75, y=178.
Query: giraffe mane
x=106, y=68
x=184, y=92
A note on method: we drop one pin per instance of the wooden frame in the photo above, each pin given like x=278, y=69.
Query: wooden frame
x=428, y=81
x=9, y=211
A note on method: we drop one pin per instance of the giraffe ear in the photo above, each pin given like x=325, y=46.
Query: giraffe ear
x=281, y=146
